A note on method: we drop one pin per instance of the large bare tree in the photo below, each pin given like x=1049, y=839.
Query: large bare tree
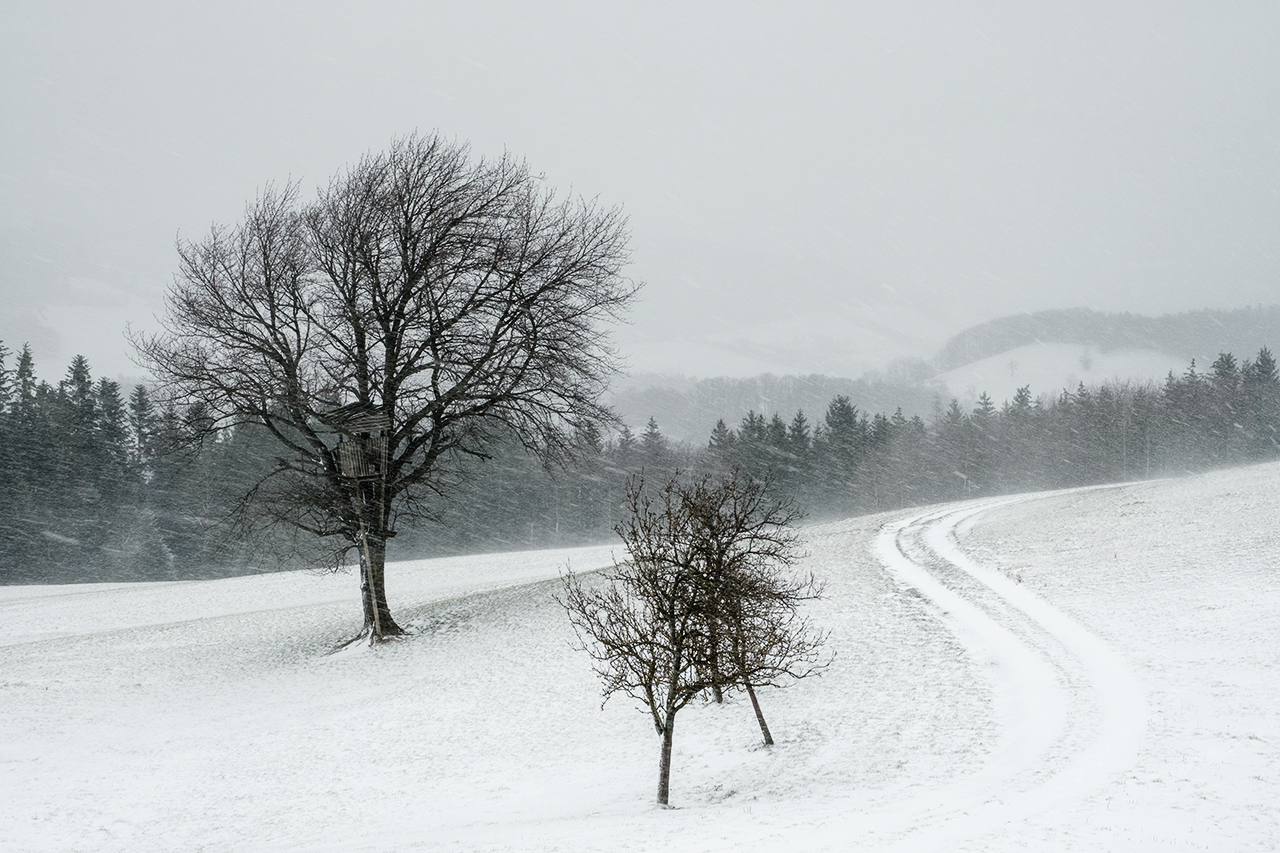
x=383, y=333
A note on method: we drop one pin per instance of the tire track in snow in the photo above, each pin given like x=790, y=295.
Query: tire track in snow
x=1028, y=646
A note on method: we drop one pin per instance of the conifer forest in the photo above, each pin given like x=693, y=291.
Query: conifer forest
x=103, y=484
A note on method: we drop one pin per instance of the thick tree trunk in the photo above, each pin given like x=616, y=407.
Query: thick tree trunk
x=764, y=727
x=378, y=623
x=664, y=763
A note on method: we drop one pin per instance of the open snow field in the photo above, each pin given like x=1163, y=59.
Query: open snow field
x=1085, y=670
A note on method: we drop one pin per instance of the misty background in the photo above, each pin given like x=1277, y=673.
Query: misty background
x=815, y=188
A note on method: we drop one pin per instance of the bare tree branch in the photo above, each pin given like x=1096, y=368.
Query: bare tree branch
x=457, y=297
x=705, y=601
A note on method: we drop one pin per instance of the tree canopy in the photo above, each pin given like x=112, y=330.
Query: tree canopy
x=449, y=299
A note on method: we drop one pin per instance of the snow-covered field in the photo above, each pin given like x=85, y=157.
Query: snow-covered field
x=1084, y=670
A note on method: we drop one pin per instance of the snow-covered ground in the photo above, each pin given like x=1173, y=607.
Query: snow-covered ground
x=1084, y=670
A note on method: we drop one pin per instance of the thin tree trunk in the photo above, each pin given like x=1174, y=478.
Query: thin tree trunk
x=764, y=727
x=713, y=641
x=664, y=763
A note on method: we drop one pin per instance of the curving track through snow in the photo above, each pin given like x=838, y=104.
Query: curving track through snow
x=1072, y=715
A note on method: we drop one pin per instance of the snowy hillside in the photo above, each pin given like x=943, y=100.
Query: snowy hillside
x=1084, y=670
x=1192, y=334
x=1050, y=368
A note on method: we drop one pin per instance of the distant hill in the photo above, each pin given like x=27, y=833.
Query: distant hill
x=1195, y=334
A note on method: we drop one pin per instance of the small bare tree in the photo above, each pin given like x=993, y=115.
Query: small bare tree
x=703, y=604
x=644, y=629
x=744, y=544
x=423, y=303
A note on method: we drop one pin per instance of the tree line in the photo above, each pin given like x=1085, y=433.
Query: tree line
x=104, y=485
x=849, y=461
x=852, y=462
x=100, y=485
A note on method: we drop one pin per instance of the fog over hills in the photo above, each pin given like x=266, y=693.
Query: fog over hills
x=1047, y=350
x=816, y=190
x=687, y=409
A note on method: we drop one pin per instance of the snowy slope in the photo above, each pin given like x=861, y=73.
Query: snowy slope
x=1094, y=669
x=1049, y=368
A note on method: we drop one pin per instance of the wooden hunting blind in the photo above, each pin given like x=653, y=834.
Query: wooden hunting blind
x=362, y=440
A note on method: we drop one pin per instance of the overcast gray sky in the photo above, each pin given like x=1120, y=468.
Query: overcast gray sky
x=811, y=187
